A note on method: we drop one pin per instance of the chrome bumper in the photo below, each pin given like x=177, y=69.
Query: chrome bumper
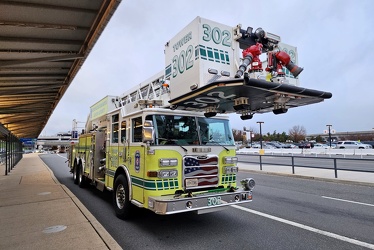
x=200, y=203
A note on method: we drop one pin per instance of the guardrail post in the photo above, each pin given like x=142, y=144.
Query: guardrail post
x=260, y=162
x=293, y=165
x=335, y=168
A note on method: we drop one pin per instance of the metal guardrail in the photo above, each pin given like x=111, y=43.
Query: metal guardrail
x=354, y=164
x=308, y=151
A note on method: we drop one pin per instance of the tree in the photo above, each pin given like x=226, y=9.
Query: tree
x=297, y=133
x=319, y=138
x=238, y=135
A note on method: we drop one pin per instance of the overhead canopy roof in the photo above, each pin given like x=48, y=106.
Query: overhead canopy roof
x=43, y=44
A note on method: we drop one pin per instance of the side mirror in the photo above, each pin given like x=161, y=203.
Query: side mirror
x=148, y=131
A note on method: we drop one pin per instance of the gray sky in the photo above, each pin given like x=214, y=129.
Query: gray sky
x=334, y=40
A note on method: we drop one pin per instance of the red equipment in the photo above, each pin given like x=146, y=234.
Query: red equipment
x=251, y=57
x=255, y=51
x=278, y=59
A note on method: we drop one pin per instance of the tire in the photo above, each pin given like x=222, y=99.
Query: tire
x=81, y=178
x=121, y=201
x=75, y=174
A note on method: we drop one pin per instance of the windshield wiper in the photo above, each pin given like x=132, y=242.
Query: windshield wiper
x=228, y=150
x=173, y=140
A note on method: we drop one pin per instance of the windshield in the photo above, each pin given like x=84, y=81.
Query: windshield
x=189, y=130
x=215, y=131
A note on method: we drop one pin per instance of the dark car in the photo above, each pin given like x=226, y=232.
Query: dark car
x=306, y=145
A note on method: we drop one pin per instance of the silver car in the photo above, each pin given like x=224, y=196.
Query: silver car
x=352, y=144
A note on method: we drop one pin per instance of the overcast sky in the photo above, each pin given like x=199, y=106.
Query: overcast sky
x=334, y=40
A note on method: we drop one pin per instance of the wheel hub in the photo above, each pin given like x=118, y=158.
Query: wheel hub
x=120, y=196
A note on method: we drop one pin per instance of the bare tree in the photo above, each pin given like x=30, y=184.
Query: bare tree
x=238, y=135
x=297, y=133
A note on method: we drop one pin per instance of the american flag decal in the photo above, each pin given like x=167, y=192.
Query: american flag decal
x=205, y=170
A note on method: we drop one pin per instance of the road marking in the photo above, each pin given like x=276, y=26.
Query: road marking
x=62, y=156
x=355, y=202
x=312, y=229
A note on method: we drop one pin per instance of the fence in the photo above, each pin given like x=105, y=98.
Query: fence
x=337, y=163
x=308, y=151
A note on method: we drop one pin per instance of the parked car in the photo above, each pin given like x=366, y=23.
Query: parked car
x=256, y=145
x=320, y=145
x=306, y=145
x=333, y=145
x=274, y=144
x=352, y=144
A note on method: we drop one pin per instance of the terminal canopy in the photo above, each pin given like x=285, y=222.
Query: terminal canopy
x=43, y=44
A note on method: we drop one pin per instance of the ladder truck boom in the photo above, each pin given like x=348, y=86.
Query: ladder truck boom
x=205, y=72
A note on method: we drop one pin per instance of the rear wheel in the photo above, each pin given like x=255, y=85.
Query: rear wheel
x=121, y=198
x=81, y=178
x=75, y=174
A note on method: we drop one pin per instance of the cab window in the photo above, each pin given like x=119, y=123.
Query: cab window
x=137, y=126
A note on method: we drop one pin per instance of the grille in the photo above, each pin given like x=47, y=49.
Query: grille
x=200, y=171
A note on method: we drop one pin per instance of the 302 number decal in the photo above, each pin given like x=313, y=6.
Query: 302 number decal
x=183, y=61
x=202, y=102
x=214, y=201
x=216, y=35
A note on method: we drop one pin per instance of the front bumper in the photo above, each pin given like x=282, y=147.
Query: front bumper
x=207, y=201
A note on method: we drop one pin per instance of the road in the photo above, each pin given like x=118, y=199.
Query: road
x=287, y=213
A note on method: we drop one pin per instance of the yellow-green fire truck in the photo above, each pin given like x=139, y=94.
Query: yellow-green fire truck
x=166, y=145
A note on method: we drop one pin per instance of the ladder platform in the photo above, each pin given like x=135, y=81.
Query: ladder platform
x=247, y=95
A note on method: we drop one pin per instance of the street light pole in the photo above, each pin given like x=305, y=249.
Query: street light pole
x=329, y=126
x=260, y=133
x=250, y=135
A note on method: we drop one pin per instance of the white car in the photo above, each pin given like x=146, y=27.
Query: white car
x=320, y=145
x=352, y=144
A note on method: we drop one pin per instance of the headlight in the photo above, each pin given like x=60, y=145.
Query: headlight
x=230, y=160
x=248, y=183
x=168, y=162
x=231, y=170
x=167, y=173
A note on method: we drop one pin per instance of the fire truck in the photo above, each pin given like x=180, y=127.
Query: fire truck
x=166, y=145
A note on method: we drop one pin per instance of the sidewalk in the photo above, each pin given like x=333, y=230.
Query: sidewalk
x=37, y=212
x=311, y=173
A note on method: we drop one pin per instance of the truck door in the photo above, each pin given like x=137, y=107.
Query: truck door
x=136, y=157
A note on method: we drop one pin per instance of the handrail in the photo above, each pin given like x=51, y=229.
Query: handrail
x=366, y=164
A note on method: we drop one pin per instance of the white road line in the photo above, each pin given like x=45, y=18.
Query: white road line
x=312, y=229
x=355, y=202
x=62, y=156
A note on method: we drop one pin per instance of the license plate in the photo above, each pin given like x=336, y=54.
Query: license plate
x=192, y=183
x=214, y=201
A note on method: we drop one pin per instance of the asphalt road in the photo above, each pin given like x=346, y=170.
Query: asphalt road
x=287, y=213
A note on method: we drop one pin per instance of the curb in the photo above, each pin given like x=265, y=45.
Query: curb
x=101, y=231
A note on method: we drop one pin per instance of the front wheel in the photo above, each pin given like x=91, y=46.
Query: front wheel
x=121, y=198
